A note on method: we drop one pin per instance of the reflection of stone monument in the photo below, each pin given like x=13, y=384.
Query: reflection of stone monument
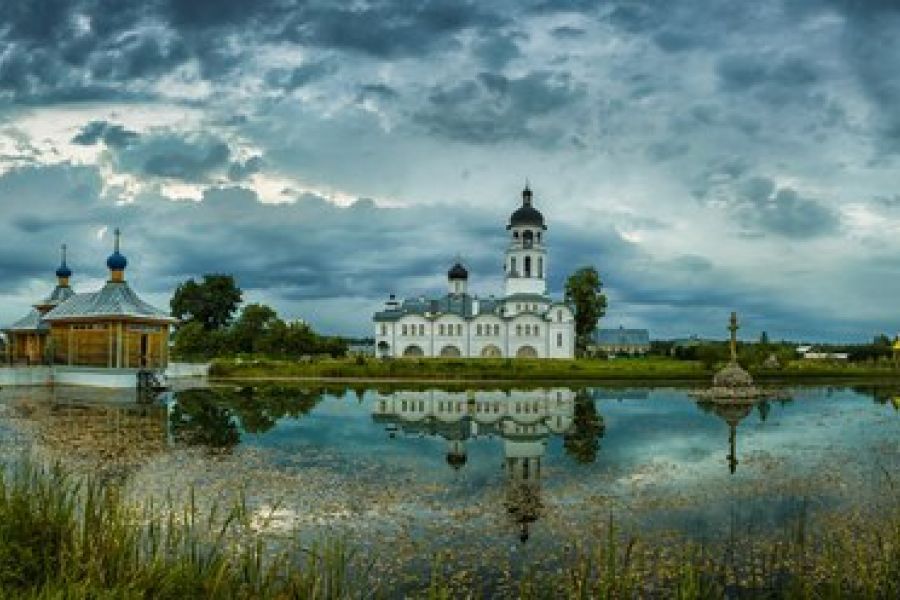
x=732, y=414
x=524, y=420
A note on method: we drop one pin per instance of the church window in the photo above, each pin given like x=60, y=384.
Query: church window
x=527, y=238
x=496, y=330
x=512, y=265
x=421, y=329
x=515, y=235
x=478, y=330
x=559, y=316
x=559, y=340
x=383, y=329
x=459, y=330
x=441, y=329
x=527, y=266
x=518, y=330
x=528, y=330
x=540, y=272
x=538, y=237
x=537, y=330
x=403, y=329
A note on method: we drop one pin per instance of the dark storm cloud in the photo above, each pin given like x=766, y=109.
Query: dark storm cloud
x=783, y=211
x=496, y=50
x=111, y=134
x=241, y=170
x=742, y=72
x=186, y=157
x=494, y=107
x=387, y=29
x=291, y=79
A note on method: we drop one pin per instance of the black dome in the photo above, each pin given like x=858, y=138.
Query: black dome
x=457, y=271
x=456, y=460
x=526, y=215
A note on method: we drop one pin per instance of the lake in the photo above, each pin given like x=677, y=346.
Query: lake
x=495, y=478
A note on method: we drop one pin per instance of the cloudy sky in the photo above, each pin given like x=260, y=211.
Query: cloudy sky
x=705, y=155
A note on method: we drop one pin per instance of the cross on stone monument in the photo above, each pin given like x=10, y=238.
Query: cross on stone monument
x=733, y=327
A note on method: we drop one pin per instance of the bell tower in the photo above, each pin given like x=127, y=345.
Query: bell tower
x=525, y=265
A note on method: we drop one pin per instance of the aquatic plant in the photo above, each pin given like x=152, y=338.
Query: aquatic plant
x=62, y=537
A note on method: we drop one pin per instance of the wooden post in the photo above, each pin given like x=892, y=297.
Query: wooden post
x=119, y=345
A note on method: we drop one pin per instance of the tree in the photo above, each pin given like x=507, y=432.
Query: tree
x=212, y=303
x=582, y=441
x=249, y=331
x=583, y=290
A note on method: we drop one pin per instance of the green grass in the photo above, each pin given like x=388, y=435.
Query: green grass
x=459, y=369
x=63, y=539
x=648, y=369
x=60, y=538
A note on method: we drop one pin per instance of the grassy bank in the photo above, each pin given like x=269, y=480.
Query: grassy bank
x=458, y=369
x=647, y=369
x=60, y=539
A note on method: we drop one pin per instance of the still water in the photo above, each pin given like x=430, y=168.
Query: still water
x=489, y=475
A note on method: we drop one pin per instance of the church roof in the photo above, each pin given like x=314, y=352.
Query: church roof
x=526, y=215
x=30, y=322
x=115, y=299
x=59, y=295
x=622, y=337
x=461, y=305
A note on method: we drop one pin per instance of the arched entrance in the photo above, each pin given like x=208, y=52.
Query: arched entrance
x=413, y=351
x=450, y=352
x=491, y=351
x=526, y=352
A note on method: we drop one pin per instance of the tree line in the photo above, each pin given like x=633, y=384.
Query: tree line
x=213, y=324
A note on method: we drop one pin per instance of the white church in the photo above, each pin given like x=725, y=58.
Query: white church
x=524, y=323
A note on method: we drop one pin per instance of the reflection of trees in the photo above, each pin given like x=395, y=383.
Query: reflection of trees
x=582, y=441
x=210, y=417
x=198, y=419
x=763, y=409
x=879, y=394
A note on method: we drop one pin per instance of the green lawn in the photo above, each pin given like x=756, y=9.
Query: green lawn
x=459, y=369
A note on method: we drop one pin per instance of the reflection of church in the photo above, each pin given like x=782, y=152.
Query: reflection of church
x=524, y=420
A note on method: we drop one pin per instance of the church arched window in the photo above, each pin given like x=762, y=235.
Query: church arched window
x=527, y=266
x=540, y=272
x=527, y=238
x=512, y=266
x=518, y=330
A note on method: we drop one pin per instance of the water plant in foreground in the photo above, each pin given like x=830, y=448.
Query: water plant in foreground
x=61, y=537
x=67, y=537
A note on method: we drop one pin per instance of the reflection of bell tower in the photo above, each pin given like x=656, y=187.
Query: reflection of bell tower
x=523, y=448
